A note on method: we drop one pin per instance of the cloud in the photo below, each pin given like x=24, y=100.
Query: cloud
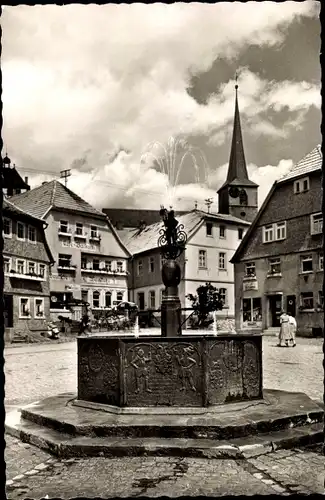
x=83, y=83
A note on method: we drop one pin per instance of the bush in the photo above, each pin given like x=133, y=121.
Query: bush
x=204, y=303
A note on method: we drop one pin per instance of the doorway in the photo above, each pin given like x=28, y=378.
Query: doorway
x=141, y=301
x=275, y=303
x=291, y=305
x=8, y=311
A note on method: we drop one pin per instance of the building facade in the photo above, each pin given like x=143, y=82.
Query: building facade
x=212, y=240
x=26, y=265
x=279, y=264
x=90, y=259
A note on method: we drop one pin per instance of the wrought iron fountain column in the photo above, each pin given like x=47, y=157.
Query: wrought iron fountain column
x=172, y=242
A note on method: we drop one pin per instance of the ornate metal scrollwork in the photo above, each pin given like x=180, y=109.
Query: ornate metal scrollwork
x=172, y=239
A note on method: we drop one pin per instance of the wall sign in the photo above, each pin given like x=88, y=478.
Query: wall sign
x=80, y=245
x=250, y=285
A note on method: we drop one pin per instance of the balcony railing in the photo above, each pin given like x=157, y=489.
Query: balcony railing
x=67, y=267
x=81, y=236
x=68, y=234
x=25, y=276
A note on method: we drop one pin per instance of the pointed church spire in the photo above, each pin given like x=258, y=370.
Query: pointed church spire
x=237, y=164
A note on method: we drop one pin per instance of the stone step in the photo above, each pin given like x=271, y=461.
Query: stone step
x=64, y=445
x=227, y=422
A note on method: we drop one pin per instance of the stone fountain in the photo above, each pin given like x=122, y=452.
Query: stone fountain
x=169, y=395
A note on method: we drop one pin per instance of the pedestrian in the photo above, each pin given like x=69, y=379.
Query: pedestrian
x=293, y=330
x=285, y=334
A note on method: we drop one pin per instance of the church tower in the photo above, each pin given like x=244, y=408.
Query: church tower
x=238, y=195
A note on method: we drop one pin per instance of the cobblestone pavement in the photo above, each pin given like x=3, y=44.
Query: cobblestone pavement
x=34, y=372
x=282, y=472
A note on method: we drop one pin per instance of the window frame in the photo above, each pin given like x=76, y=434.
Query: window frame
x=94, y=234
x=250, y=265
x=274, y=261
x=97, y=266
x=240, y=233
x=306, y=258
x=202, y=255
x=312, y=223
x=5, y=261
x=209, y=233
x=251, y=310
x=152, y=295
x=300, y=184
x=109, y=294
x=321, y=299
x=303, y=297
x=6, y=235
x=21, y=316
x=95, y=299
x=41, y=265
x=222, y=229
x=35, y=308
x=223, y=292
x=79, y=226
x=23, y=261
x=21, y=224
x=117, y=295
x=31, y=262
x=64, y=223
x=33, y=231
x=224, y=254
x=62, y=256
x=140, y=267
x=151, y=264
x=119, y=268
x=321, y=261
x=272, y=231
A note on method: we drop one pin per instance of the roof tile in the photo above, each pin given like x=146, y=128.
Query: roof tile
x=311, y=162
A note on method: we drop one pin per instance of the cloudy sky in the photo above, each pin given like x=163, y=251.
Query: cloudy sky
x=124, y=94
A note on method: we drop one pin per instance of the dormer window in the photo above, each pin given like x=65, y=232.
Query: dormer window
x=301, y=185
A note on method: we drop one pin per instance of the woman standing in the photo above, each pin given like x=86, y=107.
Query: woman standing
x=285, y=333
x=293, y=329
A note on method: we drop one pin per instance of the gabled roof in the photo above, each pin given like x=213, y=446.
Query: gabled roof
x=139, y=241
x=9, y=207
x=53, y=195
x=310, y=163
x=131, y=218
x=237, y=170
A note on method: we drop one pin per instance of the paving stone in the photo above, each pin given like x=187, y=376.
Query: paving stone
x=31, y=472
x=9, y=482
x=278, y=488
x=18, y=478
x=41, y=466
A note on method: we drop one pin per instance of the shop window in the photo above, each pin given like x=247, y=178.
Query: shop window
x=252, y=310
x=307, y=300
x=202, y=259
x=39, y=308
x=24, y=307
x=307, y=264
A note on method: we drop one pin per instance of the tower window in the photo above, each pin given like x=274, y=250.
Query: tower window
x=243, y=197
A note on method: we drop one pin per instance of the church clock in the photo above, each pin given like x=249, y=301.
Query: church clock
x=233, y=192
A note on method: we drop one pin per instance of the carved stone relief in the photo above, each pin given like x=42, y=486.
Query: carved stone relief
x=251, y=370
